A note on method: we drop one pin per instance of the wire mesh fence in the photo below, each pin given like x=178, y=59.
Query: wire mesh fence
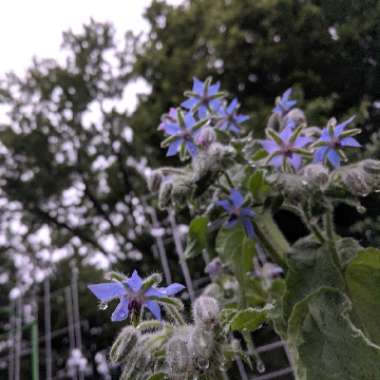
x=26, y=344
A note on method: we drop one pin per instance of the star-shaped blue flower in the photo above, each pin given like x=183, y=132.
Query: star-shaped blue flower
x=228, y=118
x=132, y=296
x=284, y=104
x=332, y=142
x=203, y=98
x=237, y=213
x=182, y=132
x=285, y=146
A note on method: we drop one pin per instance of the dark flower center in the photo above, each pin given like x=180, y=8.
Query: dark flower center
x=335, y=143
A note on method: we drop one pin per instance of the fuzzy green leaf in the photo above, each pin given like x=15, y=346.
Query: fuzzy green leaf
x=248, y=320
x=198, y=237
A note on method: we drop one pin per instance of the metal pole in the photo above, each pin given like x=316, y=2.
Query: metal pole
x=69, y=307
x=18, y=337
x=12, y=341
x=47, y=315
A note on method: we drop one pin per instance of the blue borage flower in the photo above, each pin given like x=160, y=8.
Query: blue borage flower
x=332, y=141
x=286, y=147
x=284, y=104
x=228, y=118
x=182, y=133
x=133, y=296
x=203, y=98
x=237, y=213
x=168, y=118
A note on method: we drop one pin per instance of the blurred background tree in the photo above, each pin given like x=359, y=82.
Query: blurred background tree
x=73, y=159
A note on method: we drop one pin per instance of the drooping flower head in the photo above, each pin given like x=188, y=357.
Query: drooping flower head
x=286, y=147
x=133, y=294
x=334, y=138
x=203, y=98
x=168, y=118
x=228, y=118
x=284, y=104
x=182, y=134
x=237, y=213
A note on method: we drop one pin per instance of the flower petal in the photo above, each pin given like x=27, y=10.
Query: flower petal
x=189, y=120
x=107, y=291
x=302, y=141
x=170, y=129
x=296, y=161
x=236, y=198
x=269, y=145
x=241, y=118
x=121, y=312
x=320, y=153
x=154, y=308
x=135, y=281
x=225, y=203
x=286, y=133
x=191, y=148
x=247, y=212
x=340, y=127
x=155, y=292
x=277, y=161
x=334, y=157
x=174, y=147
x=213, y=89
x=198, y=86
x=189, y=103
x=248, y=227
x=173, y=289
x=231, y=222
x=350, y=141
x=232, y=106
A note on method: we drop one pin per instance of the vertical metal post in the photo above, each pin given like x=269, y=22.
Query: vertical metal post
x=47, y=317
x=18, y=336
x=70, y=323
x=35, y=358
x=11, y=342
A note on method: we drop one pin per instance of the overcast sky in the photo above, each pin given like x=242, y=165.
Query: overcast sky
x=34, y=27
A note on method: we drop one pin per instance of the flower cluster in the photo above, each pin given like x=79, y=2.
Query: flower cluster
x=205, y=108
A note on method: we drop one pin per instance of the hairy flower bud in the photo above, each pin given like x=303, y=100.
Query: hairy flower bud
x=206, y=310
x=164, y=196
x=182, y=188
x=154, y=180
x=124, y=344
x=214, y=267
x=206, y=137
x=178, y=356
x=315, y=174
x=297, y=115
x=355, y=181
x=201, y=345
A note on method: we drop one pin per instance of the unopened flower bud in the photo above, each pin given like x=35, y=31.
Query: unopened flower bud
x=201, y=344
x=164, y=196
x=178, y=356
x=206, y=310
x=297, y=115
x=154, y=180
x=371, y=166
x=217, y=150
x=214, y=267
x=316, y=174
x=124, y=344
x=182, y=189
x=206, y=137
x=354, y=179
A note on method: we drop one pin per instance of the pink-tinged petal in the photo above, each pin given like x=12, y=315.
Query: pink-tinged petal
x=269, y=145
x=154, y=308
x=121, y=312
x=296, y=161
x=236, y=198
x=173, y=148
x=350, y=141
x=189, y=120
x=173, y=289
x=340, y=127
x=232, y=106
x=226, y=204
x=171, y=129
x=302, y=141
x=107, y=291
x=320, y=154
x=286, y=133
x=189, y=103
x=135, y=281
x=277, y=161
x=191, y=148
x=334, y=158
x=248, y=227
x=198, y=86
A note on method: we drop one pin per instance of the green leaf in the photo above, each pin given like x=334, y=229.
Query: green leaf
x=347, y=249
x=249, y=320
x=325, y=343
x=310, y=268
x=198, y=237
x=257, y=185
x=259, y=155
x=363, y=282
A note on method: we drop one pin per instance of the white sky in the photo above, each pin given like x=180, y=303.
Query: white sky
x=34, y=27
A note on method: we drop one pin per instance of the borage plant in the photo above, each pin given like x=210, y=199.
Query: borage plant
x=320, y=294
